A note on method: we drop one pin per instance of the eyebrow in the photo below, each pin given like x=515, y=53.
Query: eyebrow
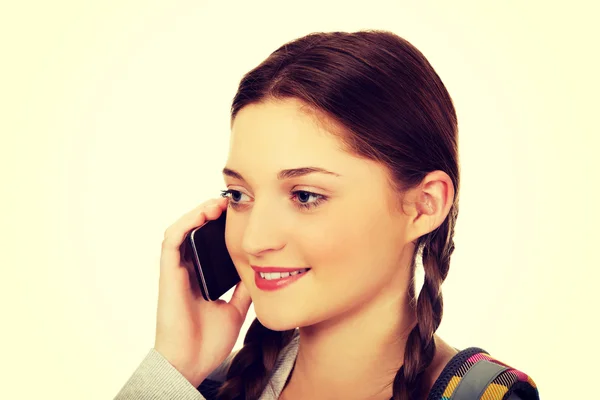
x=285, y=173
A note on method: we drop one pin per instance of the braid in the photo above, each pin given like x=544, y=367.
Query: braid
x=251, y=368
x=437, y=247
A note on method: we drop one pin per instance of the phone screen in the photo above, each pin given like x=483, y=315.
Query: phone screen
x=215, y=271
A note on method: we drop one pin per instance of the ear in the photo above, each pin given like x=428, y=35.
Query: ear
x=433, y=200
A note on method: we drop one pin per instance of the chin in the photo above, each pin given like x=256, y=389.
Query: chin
x=276, y=324
x=278, y=319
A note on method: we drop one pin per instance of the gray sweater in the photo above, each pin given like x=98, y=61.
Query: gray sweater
x=157, y=379
x=463, y=376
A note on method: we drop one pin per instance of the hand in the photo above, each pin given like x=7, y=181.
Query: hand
x=193, y=334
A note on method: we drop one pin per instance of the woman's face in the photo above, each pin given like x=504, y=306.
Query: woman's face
x=342, y=224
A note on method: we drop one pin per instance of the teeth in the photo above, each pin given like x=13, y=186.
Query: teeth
x=280, y=275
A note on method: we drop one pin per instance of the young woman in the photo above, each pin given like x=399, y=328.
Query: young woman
x=342, y=178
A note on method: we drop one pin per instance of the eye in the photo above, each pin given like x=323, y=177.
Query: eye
x=235, y=196
x=301, y=198
x=304, y=199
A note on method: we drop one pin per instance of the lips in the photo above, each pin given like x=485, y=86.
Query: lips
x=274, y=278
x=276, y=269
x=281, y=275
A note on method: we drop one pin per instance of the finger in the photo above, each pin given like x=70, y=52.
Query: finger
x=174, y=246
x=241, y=299
x=209, y=210
x=192, y=215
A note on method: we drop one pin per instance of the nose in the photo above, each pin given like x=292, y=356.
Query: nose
x=263, y=232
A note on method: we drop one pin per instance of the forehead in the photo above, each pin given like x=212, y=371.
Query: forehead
x=283, y=134
x=276, y=135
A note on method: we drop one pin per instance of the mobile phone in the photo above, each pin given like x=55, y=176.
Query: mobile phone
x=215, y=271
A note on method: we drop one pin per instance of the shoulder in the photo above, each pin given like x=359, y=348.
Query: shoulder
x=473, y=373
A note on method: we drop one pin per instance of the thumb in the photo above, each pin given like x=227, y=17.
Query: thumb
x=241, y=299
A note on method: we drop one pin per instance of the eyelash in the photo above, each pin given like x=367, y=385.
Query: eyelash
x=304, y=206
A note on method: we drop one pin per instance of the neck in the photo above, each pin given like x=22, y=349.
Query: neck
x=364, y=347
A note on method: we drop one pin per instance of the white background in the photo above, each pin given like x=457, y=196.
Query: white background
x=114, y=122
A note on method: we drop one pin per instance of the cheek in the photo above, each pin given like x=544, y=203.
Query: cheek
x=362, y=251
x=329, y=248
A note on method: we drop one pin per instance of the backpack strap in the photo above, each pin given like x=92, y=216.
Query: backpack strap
x=490, y=379
x=477, y=379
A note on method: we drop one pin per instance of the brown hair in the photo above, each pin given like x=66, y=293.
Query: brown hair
x=394, y=109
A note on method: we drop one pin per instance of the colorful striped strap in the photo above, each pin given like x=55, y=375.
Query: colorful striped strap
x=476, y=380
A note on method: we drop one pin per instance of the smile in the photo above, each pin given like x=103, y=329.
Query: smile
x=279, y=275
x=268, y=280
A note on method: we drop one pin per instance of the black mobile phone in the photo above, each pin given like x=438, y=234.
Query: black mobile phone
x=215, y=271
